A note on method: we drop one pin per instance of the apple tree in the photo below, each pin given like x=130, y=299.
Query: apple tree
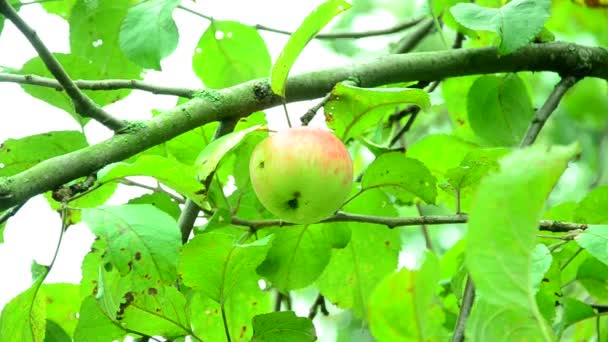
x=456, y=185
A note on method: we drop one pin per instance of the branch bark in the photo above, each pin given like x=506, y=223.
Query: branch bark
x=256, y=95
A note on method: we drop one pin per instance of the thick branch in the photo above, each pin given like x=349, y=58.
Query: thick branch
x=99, y=85
x=243, y=99
x=82, y=103
x=392, y=222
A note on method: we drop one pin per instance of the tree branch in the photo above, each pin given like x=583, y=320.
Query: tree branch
x=318, y=305
x=392, y=222
x=99, y=85
x=465, y=310
x=10, y=213
x=548, y=107
x=332, y=35
x=82, y=103
x=191, y=209
x=408, y=43
x=243, y=99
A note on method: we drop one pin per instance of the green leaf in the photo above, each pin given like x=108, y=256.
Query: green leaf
x=595, y=240
x=62, y=304
x=17, y=155
x=157, y=311
x=500, y=109
x=23, y=318
x=575, y=311
x=440, y=152
x=218, y=58
x=61, y=8
x=371, y=254
x=177, y=176
x=514, y=325
x=402, y=176
x=140, y=239
x=161, y=201
x=55, y=333
x=245, y=301
x=541, y=262
x=475, y=165
x=501, y=243
x=454, y=91
x=550, y=290
x=561, y=212
x=311, y=25
x=215, y=263
x=91, y=199
x=211, y=156
x=94, y=30
x=517, y=22
x=299, y=254
x=351, y=110
x=94, y=325
x=593, y=209
x=593, y=275
x=78, y=67
x=148, y=33
x=403, y=306
x=586, y=102
x=282, y=326
x=186, y=147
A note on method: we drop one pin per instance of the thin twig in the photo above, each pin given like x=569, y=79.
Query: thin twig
x=278, y=301
x=578, y=251
x=425, y=232
x=548, y=107
x=115, y=84
x=318, y=305
x=411, y=110
x=392, y=222
x=156, y=188
x=458, y=41
x=10, y=213
x=332, y=35
x=410, y=121
x=82, y=103
x=35, y=2
x=410, y=42
x=465, y=309
x=310, y=114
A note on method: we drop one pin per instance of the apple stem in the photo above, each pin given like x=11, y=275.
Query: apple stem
x=286, y=114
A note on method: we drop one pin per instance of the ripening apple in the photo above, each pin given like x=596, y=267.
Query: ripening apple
x=302, y=175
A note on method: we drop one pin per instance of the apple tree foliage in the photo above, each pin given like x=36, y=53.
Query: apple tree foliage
x=479, y=210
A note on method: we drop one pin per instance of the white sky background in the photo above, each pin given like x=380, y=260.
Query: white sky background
x=33, y=232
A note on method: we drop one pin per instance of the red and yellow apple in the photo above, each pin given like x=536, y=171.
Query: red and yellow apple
x=302, y=175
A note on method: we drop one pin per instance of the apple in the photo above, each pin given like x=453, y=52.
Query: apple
x=302, y=175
